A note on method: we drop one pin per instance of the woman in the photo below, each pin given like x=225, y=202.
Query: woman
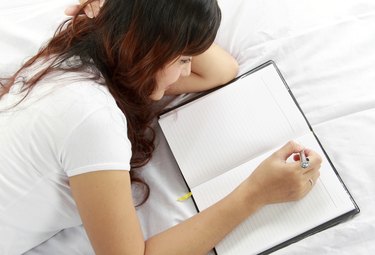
x=77, y=117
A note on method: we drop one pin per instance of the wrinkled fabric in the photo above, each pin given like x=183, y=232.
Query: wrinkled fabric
x=325, y=51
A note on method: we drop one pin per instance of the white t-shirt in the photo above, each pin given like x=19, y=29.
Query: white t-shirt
x=68, y=125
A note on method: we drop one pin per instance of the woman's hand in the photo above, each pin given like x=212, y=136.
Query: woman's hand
x=102, y=193
x=91, y=10
x=276, y=180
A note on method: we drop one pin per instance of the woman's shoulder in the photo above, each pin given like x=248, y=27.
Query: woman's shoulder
x=66, y=99
x=85, y=92
x=73, y=91
x=83, y=88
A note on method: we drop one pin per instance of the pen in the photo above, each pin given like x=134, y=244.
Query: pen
x=304, y=160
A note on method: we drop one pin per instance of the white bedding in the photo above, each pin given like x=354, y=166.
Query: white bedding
x=326, y=52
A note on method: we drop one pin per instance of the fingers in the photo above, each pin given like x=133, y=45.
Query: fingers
x=91, y=10
x=312, y=173
x=311, y=179
x=101, y=2
x=279, y=180
x=288, y=149
x=315, y=160
x=72, y=10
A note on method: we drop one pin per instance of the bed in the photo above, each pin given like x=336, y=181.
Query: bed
x=325, y=51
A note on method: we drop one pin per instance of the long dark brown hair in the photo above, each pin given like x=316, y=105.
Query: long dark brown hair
x=127, y=44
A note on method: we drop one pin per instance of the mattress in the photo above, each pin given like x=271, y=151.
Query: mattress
x=325, y=51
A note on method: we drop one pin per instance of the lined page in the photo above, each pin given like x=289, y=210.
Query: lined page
x=276, y=223
x=229, y=126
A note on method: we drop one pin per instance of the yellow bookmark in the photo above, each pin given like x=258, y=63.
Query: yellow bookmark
x=185, y=197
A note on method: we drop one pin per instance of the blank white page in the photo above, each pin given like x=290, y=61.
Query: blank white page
x=227, y=127
x=276, y=223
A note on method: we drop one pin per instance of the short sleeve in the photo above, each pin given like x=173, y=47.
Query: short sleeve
x=98, y=142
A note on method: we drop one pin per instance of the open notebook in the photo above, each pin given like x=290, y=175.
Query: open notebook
x=218, y=139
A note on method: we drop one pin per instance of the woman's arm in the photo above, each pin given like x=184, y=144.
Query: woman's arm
x=106, y=208
x=105, y=204
x=212, y=68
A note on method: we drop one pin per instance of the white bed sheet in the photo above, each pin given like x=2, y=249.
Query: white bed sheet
x=325, y=50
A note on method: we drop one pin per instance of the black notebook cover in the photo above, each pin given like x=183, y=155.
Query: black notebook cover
x=312, y=231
